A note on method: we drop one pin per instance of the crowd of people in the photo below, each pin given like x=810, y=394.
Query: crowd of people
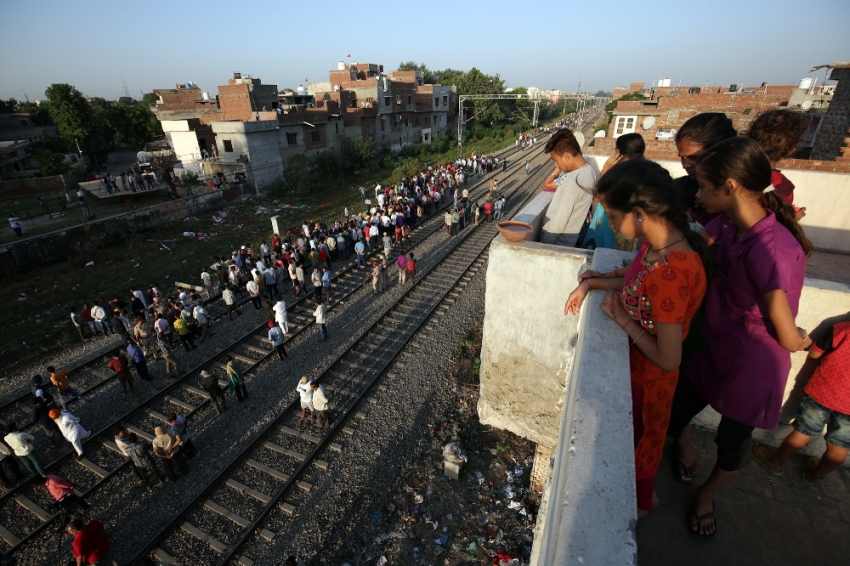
x=151, y=325
x=709, y=302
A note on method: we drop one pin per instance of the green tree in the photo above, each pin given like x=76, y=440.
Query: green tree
x=127, y=100
x=77, y=119
x=38, y=112
x=8, y=106
x=149, y=99
x=190, y=180
x=133, y=125
x=603, y=94
x=359, y=153
x=50, y=163
x=298, y=176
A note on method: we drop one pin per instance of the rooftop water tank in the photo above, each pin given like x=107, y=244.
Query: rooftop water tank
x=301, y=91
x=188, y=85
x=806, y=83
x=340, y=66
x=205, y=95
x=664, y=82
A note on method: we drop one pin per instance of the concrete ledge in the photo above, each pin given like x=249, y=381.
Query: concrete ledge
x=528, y=345
x=589, y=513
x=533, y=214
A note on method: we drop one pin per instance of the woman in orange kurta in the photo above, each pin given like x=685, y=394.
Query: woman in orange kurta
x=653, y=300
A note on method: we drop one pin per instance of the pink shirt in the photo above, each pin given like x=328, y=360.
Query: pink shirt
x=740, y=367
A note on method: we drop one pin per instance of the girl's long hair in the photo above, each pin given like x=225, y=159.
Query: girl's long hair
x=646, y=184
x=743, y=160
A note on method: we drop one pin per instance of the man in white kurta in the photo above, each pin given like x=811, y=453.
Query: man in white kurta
x=71, y=429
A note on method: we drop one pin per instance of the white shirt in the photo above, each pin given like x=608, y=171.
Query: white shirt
x=141, y=297
x=320, y=401
x=20, y=442
x=206, y=278
x=320, y=313
x=184, y=298
x=227, y=295
x=70, y=427
x=304, y=390
x=98, y=313
x=201, y=314
x=280, y=315
x=252, y=288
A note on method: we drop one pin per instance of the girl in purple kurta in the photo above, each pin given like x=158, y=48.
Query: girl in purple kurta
x=749, y=329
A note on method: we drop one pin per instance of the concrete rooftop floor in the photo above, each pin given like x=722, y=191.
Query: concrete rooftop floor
x=761, y=519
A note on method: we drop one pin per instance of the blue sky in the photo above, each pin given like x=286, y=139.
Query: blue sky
x=153, y=44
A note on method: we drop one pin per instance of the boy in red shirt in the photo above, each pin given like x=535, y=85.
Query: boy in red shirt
x=826, y=402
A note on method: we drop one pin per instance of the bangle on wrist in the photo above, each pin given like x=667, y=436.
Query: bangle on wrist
x=638, y=337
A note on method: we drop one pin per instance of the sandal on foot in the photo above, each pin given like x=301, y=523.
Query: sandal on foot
x=810, y=465
x=757, y=452
x=689, y=473
x=699, y=519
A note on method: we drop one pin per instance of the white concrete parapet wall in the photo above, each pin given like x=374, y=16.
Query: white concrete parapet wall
x=529, y=345
x=589, y=513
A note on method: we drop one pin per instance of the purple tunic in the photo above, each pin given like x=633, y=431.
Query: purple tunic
x=740, y=368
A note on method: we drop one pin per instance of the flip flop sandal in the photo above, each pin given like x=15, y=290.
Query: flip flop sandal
x=809, y=465
x=757, y=452
x=699, y=519
x=684, y=477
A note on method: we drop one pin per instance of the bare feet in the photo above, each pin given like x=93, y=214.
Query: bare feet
x=702, y=517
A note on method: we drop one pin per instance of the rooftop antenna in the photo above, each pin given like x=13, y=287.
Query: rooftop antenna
x=126, y=90
x=25, y=95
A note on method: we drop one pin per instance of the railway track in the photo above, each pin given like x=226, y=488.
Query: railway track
x=90, y=374
x=28, y=505
x=285, y=448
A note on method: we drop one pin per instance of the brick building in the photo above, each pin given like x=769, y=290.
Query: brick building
x=666, y=108
x=832, y=139
x=394, y=110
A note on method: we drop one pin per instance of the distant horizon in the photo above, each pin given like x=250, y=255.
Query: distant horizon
x=97, y=46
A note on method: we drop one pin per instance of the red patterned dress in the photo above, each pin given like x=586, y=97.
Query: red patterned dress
x=668, y=290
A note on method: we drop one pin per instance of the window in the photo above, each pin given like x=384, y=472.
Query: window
x=425, y=137
x=336, y=127
x=388, y=100
x=406, y=123
x=292, y=139
x=436, y=102
x=383, y=123
x=445, y=101
x=416, y=121
x=624, y=125
x=409, y=99
x=315, y=136
x=427, y=120
x=228, y=146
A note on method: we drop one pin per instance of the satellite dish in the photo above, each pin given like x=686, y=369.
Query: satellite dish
x=648, y=122
x=580, y=139
x=599, y=134
x=806, y=105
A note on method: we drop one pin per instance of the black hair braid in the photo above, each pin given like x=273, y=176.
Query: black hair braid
x=786, y=216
